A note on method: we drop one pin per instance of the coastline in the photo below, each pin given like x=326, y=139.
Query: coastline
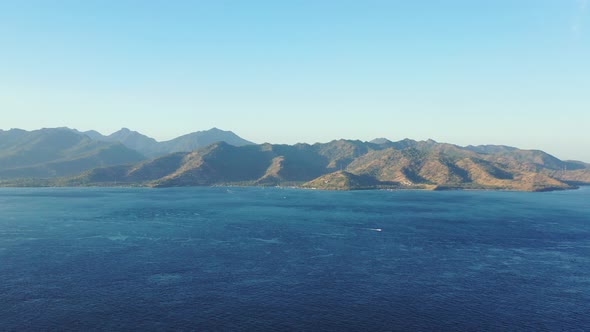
x=49, y=183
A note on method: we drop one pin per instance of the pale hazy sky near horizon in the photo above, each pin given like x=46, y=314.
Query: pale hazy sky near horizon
x=458, y=71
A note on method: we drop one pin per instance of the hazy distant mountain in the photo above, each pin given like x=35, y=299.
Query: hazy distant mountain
x=345, y=164
x=92, y=134
x=340, y=164
x=129, y=138
x=199, y=139
x=53, y=152
x=57, y=152
x=491, y=149
x=186, y=143
x=380, y=140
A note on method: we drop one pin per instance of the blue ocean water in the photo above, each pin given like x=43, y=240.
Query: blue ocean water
x=272, y=259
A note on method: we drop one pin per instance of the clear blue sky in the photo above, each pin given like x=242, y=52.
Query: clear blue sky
x=458, y=71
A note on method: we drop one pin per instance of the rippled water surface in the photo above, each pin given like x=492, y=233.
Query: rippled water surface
x=284, y=259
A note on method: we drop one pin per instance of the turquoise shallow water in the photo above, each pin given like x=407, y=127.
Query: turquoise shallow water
x=285, y=259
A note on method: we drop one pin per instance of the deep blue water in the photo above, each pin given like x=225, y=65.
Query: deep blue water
x=236, y=259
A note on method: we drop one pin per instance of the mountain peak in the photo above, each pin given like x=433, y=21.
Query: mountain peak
x=339, y=164
x=380, y=140
x=125, y=130
x=50, y=152
x=57, y=129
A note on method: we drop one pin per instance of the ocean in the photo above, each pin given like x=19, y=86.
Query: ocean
x=279, y=259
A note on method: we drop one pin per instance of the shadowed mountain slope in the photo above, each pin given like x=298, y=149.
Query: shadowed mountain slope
x=186, y=143
x=57, y=152
x=346, y=164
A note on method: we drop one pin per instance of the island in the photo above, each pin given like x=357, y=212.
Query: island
x=94, y=160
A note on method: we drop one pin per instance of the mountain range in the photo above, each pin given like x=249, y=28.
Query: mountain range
x=55, y=152
x=150, y=148
x=337, y=165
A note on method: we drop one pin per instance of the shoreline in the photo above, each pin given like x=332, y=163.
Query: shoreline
x=230, y=185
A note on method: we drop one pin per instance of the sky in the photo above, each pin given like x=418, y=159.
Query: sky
x=459, y=71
